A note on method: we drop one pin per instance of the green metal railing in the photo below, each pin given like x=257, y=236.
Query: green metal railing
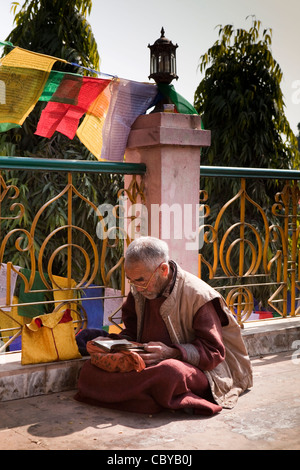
x=235, y=286
x=76, y=239
x=272, y=269
x=21, y=163
x=239, y=172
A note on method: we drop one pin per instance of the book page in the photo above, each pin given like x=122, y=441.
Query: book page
x=115, y=344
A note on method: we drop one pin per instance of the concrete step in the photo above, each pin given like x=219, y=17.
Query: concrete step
x=271, y=336
x=17, y=381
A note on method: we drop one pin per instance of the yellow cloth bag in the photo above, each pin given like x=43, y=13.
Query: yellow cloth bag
x=49, y=338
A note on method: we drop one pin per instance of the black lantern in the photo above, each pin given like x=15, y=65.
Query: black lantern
x=163, y=60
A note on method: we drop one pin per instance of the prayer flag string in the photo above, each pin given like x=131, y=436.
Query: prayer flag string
x=92, y=70
x=108, y=106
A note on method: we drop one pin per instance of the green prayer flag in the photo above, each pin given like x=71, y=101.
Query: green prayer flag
x=32, y=296
x=182, y=105
x=52, y=84
x=6, y=43
x=6, y=126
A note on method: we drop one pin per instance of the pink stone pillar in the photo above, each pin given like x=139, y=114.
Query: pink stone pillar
x=169, y=144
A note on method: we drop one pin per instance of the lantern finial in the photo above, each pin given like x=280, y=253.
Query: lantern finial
x=163, y=60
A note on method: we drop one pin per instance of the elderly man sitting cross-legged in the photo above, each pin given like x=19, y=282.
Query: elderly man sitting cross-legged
x=194, y=355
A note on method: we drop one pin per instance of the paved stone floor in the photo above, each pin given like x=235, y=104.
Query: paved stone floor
x=266, y=418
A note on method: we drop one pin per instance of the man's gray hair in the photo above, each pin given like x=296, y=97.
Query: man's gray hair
x=148, y=250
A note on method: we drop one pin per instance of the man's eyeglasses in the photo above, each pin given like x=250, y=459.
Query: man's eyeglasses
x=145, y=287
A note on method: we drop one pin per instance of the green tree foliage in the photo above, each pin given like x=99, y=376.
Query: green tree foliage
x=58, y=28
x=241, y=102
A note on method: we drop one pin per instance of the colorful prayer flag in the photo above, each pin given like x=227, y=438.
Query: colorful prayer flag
x=68, y=89
x=22, y=72
x=90, y=130
x=22, y=58
x=64, y=118
x=129, y=100
x=6, y=126
x=182, y=105
x=52, y=84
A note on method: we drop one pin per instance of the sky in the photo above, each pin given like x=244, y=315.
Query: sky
x=124, y=28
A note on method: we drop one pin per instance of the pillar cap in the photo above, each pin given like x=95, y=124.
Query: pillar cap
x=168, y=129
x=185, y=121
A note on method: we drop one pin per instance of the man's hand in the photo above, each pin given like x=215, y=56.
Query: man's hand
x=155, y=352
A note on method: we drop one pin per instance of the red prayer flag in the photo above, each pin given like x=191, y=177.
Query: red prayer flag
x=63, y=117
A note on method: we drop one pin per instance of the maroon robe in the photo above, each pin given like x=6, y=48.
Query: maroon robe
x=171, y=384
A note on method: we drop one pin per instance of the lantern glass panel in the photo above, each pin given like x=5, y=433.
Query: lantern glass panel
x=160, y=63
x=153, y=68
x=166, y=64
x=173, y=64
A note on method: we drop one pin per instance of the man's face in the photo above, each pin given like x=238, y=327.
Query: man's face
x=147, y=282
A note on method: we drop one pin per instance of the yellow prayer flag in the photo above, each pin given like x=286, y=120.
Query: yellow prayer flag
x=23, y=75
x=11, y=319
x=90, y=130
x=22, y=58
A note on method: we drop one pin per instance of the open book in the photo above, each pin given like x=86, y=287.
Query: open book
x=114, y=345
